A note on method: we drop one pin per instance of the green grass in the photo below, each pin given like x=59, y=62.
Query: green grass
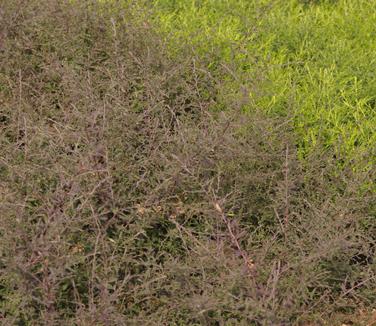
x=316, y=60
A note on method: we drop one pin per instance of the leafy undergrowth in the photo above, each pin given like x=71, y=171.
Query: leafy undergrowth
x=316, y=58
x=128, y=198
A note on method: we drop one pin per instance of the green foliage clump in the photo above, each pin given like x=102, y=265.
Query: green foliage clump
x=310, y=60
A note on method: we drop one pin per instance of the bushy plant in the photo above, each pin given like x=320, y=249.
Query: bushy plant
x=134, y=193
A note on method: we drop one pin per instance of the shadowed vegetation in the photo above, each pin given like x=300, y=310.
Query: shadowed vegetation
x=136, y=190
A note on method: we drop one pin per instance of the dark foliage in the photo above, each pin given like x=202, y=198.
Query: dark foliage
x=126, y=199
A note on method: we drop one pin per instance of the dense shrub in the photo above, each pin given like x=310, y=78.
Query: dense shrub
x=128, y=198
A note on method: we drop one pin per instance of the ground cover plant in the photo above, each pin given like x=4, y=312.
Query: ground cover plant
x=138, y=188
x=317, y=59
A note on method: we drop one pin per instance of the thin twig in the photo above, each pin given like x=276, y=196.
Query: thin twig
x=287, y=186
x=248, y=262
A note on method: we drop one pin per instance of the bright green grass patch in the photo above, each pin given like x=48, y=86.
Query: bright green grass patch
x=318, y=59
